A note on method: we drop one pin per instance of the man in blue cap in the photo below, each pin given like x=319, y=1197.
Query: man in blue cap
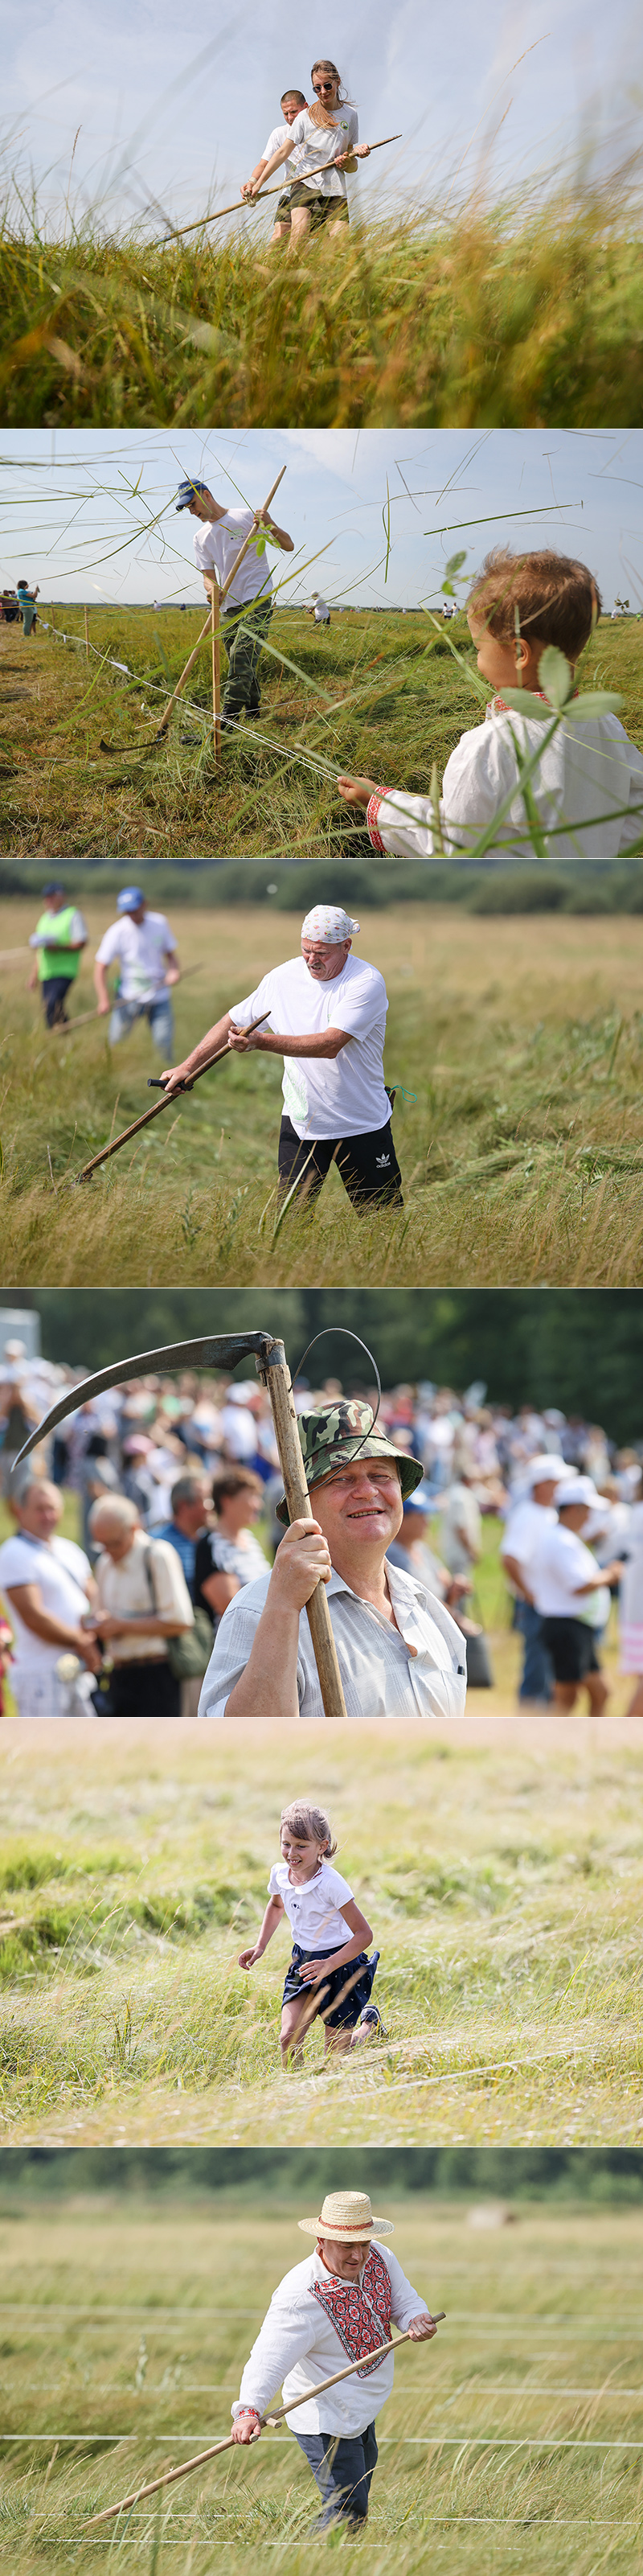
x=59, y=938
x=246, y=617
x=143, y=947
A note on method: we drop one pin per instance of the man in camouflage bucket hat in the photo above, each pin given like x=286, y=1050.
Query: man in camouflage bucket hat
x=400, y=1652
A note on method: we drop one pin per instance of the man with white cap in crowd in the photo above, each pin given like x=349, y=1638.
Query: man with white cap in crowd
x=400, y=1653
x=143, y=948
x=530, y=1513
x=327, y=1018
x=339, y=2304
x=571, y=1594
x=248, y=606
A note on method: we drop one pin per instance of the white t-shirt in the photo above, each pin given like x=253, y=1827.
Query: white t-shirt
x=319, y=144
x=588, y=772
x=314, y=1911
x=322, y=612
x=216, y=546
x=340, y=1095
x=524, y=1531
x=142, y=949
x=280, y=135
x=62, y=1573
x=562, y=1563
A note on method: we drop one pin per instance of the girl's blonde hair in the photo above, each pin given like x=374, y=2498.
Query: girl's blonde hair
x=320, y=115
x=311, y=1824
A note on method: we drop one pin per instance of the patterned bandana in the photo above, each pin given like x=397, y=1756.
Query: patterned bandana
x=328, y=921
x=359, y=2310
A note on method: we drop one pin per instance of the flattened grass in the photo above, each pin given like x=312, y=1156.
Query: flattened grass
x=517, y=1041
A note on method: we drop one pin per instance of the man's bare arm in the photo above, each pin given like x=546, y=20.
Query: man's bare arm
x=326, y=1042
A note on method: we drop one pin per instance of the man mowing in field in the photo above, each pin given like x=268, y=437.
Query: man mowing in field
x=291, y=104
x=248, y=610
x=587, y=787
x=143, y=948
x=59, y=938
x=324, y=134
x=340, y=2302
x=400, y=1652
x=327, y=1013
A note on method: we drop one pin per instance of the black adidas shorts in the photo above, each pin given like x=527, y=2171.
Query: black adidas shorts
x=368, y=1165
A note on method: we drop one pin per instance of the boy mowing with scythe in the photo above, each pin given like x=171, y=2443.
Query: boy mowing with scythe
x=329, y=1937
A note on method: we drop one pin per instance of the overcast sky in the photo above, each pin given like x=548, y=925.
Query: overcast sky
x=167, y=109
x=92, y=516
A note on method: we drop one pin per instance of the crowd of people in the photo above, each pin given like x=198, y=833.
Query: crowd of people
x=178, y=1490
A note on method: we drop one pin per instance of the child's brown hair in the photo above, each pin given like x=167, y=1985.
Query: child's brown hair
x=557, y=599
x=311, y=1824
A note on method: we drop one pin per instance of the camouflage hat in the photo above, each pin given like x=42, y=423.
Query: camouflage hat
x=338, y=1432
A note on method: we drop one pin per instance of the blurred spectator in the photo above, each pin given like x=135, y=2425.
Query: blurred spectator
x=142, y=1604
x=533, y=1509
x=229, y=1555
x=47, y=1584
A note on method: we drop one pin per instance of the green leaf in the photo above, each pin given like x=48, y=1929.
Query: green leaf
x=593, y=702
x=555, y=676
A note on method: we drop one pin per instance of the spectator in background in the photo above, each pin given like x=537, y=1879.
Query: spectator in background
x=571, y=1592
x=189, y=1507
x=460, y=1527
x=6, y=1661
x=632, y=1609
x=143, y=948
x=47, y=1584
x=59, y=938
x=26, y=599
x=18, y=1414
x=229, y=1555
x=142, y=1604
x=412, y=1552
x=531, y=1512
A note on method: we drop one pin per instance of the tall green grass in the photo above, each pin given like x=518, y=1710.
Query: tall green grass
x=525, y=313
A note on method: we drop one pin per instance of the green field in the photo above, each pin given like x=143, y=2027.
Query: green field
x=513, y=2441
x=525, y=313
x=375, y=695
x=499, y=1863
x=518, y=1044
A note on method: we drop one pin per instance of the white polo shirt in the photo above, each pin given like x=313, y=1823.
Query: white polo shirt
x=217, y=543
x=342, y=1095
x=314, y=1908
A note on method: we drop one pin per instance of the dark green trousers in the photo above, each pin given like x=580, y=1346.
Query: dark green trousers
x=244, y=630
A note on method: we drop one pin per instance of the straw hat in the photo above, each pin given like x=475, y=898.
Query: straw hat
x=349, y=2214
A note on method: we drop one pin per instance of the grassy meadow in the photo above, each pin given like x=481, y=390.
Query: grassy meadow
x=499, y=1864
x=513, y=2440
x=514, y=315
x=518, y=1046
x=379, y=696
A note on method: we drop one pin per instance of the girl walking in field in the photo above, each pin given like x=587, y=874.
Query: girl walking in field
x=323, y=134
x=329, y=1938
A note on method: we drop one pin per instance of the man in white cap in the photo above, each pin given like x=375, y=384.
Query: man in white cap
x=327, y=1018
x=571, y=1594
x=530, y=1513
x=338, y=2305
x=218, y=539
x=143, y=948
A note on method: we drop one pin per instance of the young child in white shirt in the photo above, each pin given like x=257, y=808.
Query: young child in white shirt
x=586, y=787
x=329, y=1937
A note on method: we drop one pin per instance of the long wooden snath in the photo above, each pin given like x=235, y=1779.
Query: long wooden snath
x=208, y=629
x=159, y=1105
x=242, y=203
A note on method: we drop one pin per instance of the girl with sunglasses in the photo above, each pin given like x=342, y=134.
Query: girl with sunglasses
x=326, y=133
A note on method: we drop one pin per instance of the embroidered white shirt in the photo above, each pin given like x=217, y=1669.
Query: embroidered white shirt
x=298, y=2345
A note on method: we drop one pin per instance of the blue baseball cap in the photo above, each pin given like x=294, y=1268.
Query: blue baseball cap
x=130, y=899
x=187, y=491
x=54, y=886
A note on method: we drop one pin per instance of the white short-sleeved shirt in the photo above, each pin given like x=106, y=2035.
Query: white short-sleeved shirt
x=524, y=1530
x=62, y=1573
x=342, y=1095
x=216, y=545
x=280, y=135
x=319, y=144
x=314, y=1910
x=590, y=777
x=415, y=1669
x=142, y=949
x=560, y=1565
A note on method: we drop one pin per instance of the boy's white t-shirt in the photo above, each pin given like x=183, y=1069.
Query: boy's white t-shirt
x=557, y=1568
x=587, y=774
x=340, y=1095
x=216, y=544
x=280, y=135
x=62, y=1572
x=319, y=143
x=314, y=1910
x=142, y=949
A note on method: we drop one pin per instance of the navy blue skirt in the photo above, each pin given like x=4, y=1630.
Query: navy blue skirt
x=341, y=2010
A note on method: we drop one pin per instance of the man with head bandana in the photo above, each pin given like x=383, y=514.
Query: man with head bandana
x=327, y=1018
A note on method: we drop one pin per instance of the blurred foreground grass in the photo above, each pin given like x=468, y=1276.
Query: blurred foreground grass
x=499, y=1863
x=513, y=2442
x=518, y=1042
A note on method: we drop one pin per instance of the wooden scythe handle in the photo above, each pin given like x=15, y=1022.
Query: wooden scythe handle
x=276, y=1377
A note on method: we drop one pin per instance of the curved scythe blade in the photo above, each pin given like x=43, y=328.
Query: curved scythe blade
x=221, y=1352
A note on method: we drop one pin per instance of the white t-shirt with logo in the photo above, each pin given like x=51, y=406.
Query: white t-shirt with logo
x=314, y=1910
x=216, y=544
x=142, y=949
x=319, y=144
x=340, y=1095
x=62, y=1573
x=560, y=1565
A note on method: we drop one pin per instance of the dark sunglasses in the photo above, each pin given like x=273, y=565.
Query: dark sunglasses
x=318, y=85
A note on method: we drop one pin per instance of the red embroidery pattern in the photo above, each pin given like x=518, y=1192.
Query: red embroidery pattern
x=372, y=811
x=499, y=705
x=360, y=2312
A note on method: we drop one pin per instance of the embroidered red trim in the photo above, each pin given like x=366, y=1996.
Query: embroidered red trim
x=359, y=2311
x=500, y=708
x=372, y=811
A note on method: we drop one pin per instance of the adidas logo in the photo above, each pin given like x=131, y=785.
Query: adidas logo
x=382, y=1162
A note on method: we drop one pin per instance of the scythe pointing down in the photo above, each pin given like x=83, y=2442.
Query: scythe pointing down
x=225, y=1352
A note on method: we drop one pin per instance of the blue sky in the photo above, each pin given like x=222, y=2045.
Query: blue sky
x=129, y=108
x=91, y=515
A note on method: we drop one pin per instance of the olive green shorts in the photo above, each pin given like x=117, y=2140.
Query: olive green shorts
x=319, y=208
